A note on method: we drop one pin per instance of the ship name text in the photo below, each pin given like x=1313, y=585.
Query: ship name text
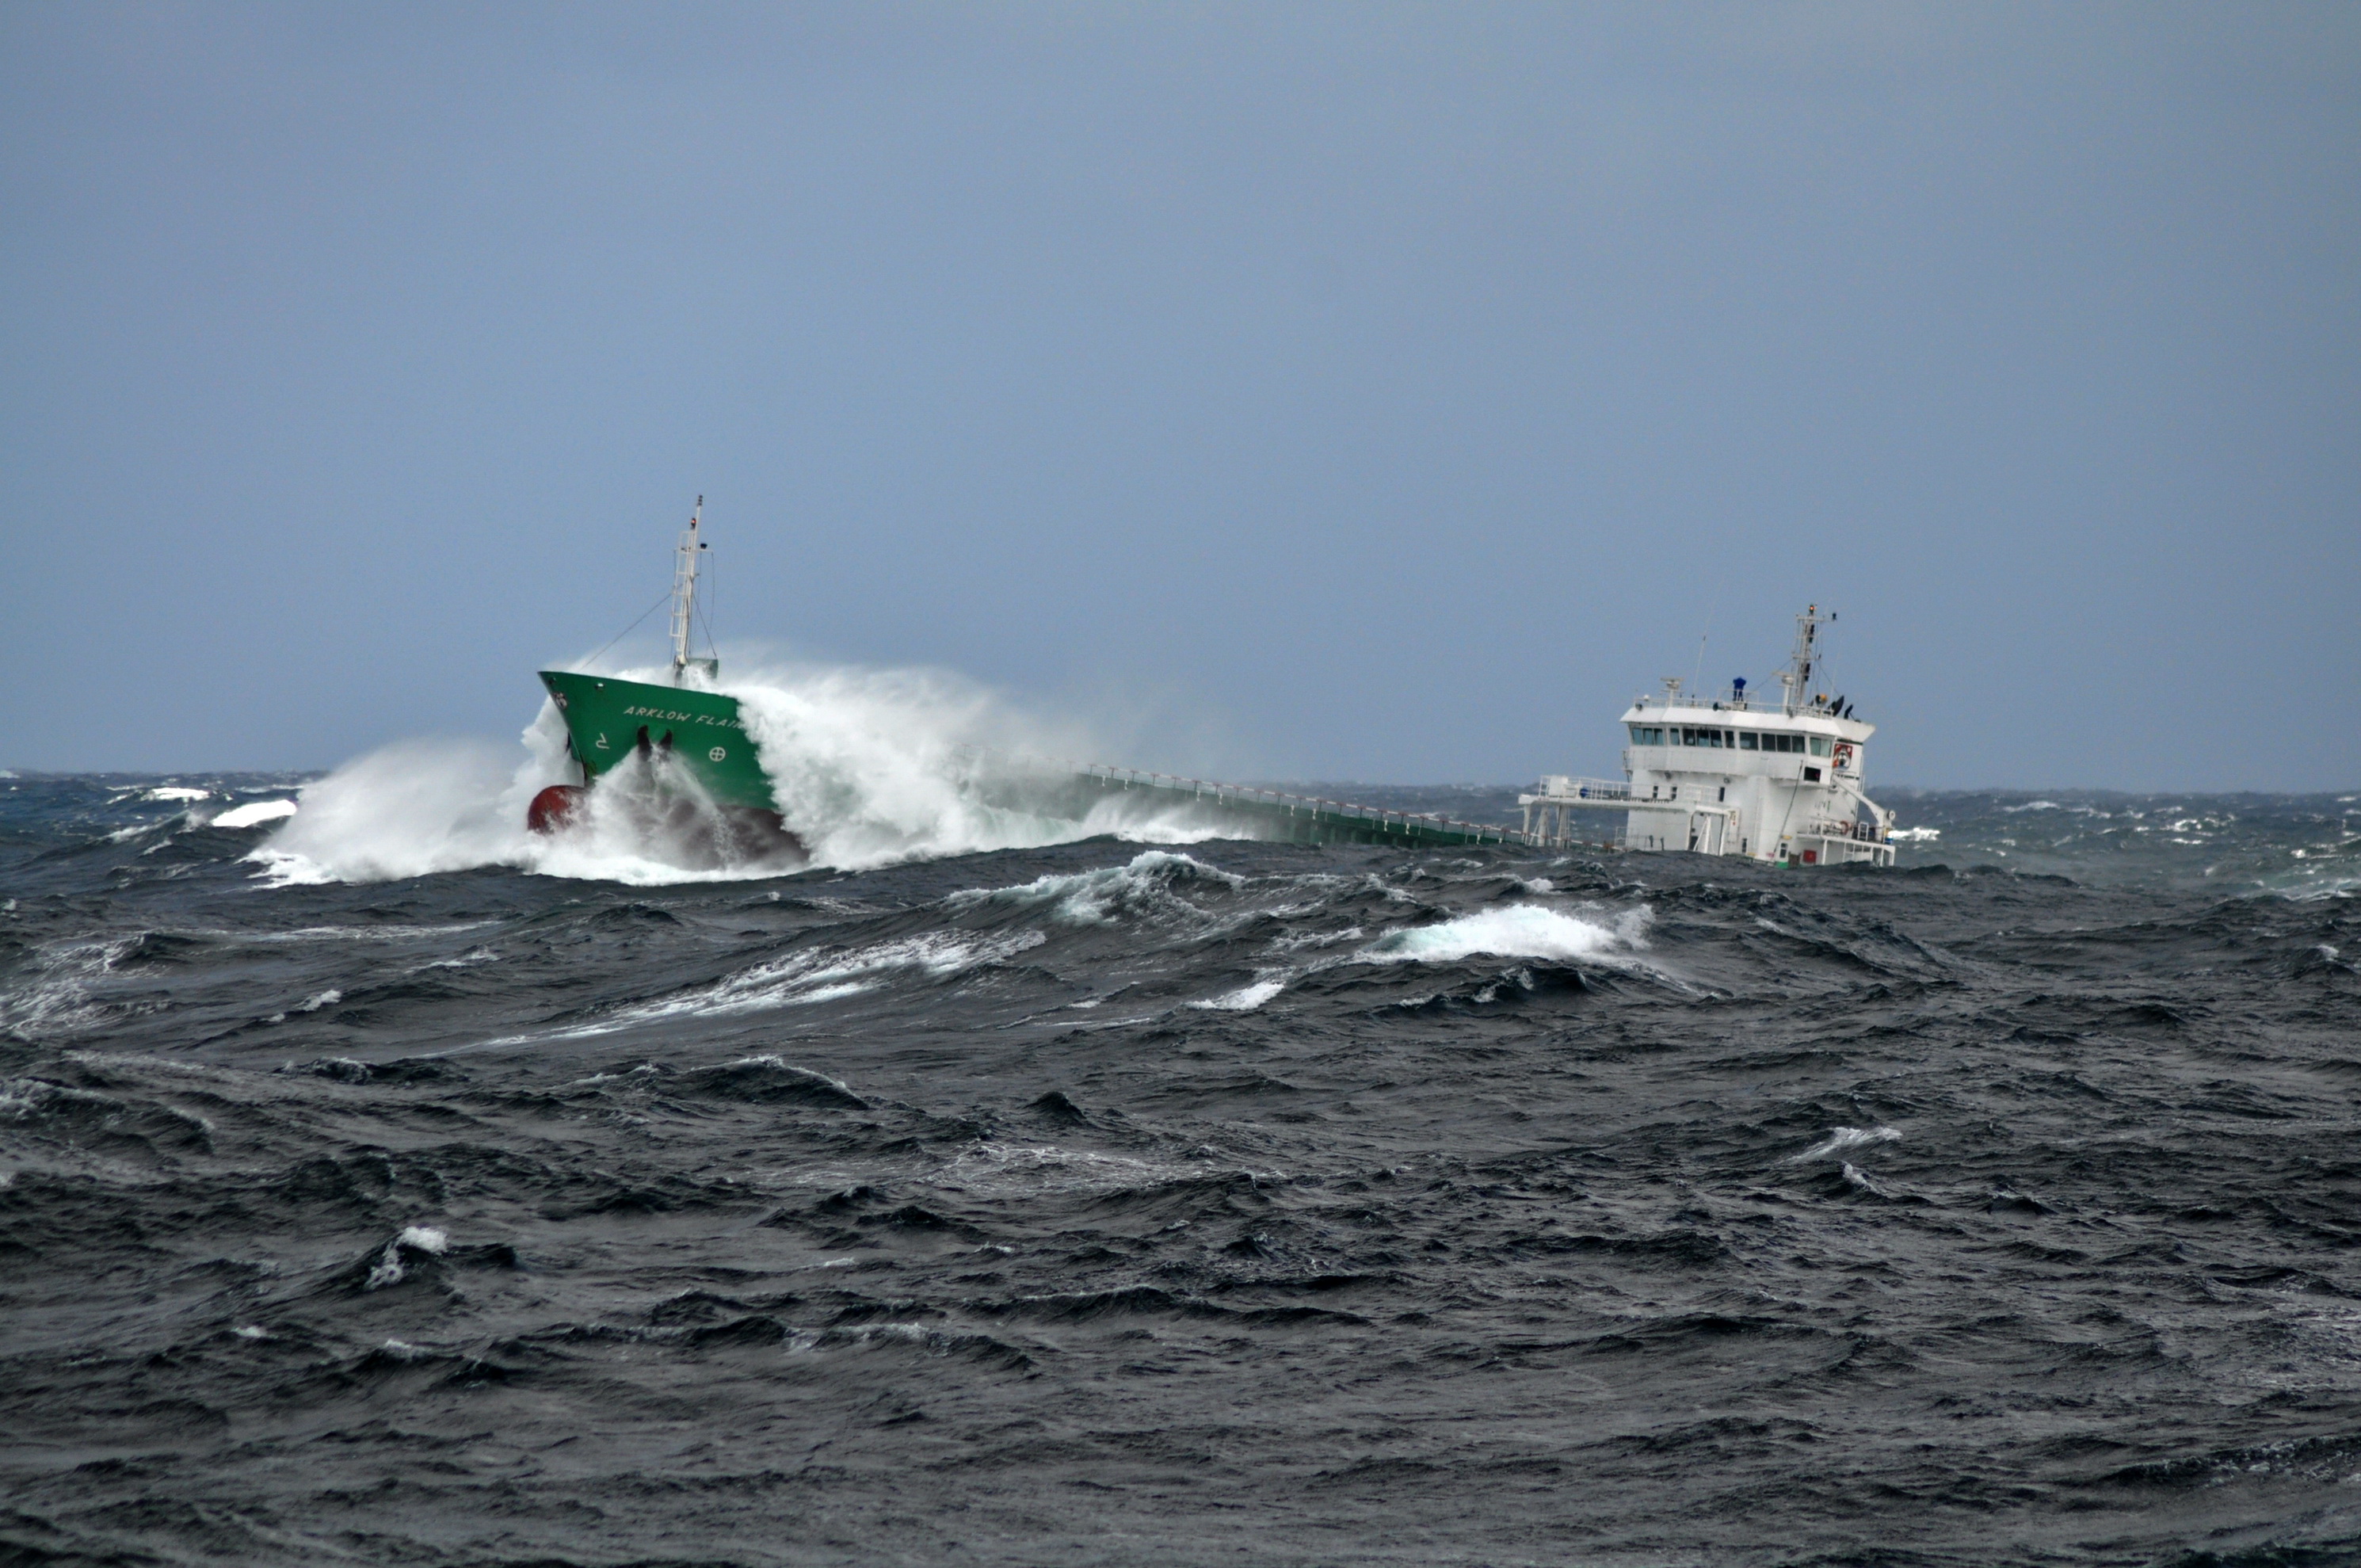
x=669, y=716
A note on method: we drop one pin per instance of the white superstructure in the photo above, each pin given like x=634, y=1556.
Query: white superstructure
x=1778, y=780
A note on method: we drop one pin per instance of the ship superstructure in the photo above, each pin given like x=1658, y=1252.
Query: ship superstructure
x=1779, y=781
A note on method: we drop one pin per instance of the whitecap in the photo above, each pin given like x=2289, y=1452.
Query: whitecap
x=255, y=813
x=1246, y=999
x=385, y=933
x=468, y=959
x=803, y=978
x=1296, y=943
x=1028, y=1169
x=388, y=1270
x=1095, y=897
x=1855, y=1177
x=61, y=1002
x=769, y=1058
x=1842, y=1139
x=1521, y=931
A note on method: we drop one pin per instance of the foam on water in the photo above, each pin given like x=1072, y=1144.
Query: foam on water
x=804, y=978
x=1027, y=1169
x=1842, y=1139
x=60, y=999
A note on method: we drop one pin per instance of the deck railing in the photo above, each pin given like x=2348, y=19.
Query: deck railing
x=1832, y=828
x=1557, y=787
x=1224, y=793
x=1220, y=794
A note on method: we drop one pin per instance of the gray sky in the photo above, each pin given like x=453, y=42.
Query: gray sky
x=1365, y=391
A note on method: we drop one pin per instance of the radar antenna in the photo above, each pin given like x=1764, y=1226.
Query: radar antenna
x=1796, y=678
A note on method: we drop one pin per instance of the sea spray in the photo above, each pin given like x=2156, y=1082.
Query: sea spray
x=408, y=809
x=868, y=766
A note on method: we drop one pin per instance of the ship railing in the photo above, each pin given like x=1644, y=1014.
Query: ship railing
x=1223, y=794
x=1730, y=700
x=1617, y=840
x=1559, y=787
x=1831, y=827
x=1226, y=793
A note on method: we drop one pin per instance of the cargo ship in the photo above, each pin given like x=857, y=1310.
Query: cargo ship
x=681, y=746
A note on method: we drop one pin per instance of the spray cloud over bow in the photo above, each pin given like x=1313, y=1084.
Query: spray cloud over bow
x=867, y=766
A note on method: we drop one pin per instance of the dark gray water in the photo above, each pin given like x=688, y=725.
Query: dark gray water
x=1224, y=1204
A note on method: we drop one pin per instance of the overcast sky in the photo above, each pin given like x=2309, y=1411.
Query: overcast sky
x=1362, y=392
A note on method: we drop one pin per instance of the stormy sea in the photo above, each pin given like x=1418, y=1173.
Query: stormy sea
x=372, y=1190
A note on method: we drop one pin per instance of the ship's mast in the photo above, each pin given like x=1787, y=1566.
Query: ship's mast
x=1796, y=678
x=684, y=592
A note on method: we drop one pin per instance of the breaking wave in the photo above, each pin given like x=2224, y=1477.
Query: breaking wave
x=1517, y=931
x=867, y=767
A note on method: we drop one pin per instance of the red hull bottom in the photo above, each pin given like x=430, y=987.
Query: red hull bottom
x=553, y=807
x=733, y=835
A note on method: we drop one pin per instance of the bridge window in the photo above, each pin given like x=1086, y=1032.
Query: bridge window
x=1647, y=735
x=1746, y=740
x=1819, y=745
x=1696, y=737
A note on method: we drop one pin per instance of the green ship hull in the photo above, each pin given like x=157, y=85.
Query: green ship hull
x=609, y=720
